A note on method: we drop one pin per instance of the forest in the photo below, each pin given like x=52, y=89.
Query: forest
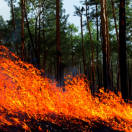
x=39, y=32
x=56, y=76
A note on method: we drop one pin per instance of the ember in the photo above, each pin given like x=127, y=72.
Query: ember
x=30, y=102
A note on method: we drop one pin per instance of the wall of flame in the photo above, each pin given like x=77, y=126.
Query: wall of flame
x=25, y=94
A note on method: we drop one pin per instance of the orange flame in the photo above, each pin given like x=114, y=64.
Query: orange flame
x=24, y=91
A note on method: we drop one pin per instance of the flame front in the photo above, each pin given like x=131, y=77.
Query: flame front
x=25, y=94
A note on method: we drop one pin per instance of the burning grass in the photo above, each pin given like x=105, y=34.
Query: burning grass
x=27, y=100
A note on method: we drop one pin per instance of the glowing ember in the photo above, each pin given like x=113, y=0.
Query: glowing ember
x=25, y=95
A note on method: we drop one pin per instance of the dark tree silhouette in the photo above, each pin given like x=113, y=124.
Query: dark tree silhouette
x=92, y=49
x=79, y=12
x=58, y=49
x=12, y=14
x=122, y=49
x=22, y=28
x=106, y=46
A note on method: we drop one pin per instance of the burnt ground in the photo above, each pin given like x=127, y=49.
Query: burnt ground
x=63, y=125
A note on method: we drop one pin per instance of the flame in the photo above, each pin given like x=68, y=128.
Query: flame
x=26, y=95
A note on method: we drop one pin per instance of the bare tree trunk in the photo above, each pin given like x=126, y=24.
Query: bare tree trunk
x=36, y=33
x=92, y=51
x=83, y=51
x=97, y=22
x=128, y=76
x=118, y=75
x=72, y=48
x=97, y=47
x=13, y=21
x=106, y=46
x=22, y=29
x=117, y=37
x=112, y=78
x=114, y=16
x=122, y=49
x=13, y=15
x=38, y=43
x=44, y=52
x=28, y=28
x=58, y=49
x=34, y=53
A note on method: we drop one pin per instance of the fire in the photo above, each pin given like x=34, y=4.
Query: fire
x=25, y=95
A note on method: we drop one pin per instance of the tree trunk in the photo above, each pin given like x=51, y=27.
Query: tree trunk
x=36, y=33
x=38, y=43
x=35, y=59
x=97, y=47
x=112, y=78
x=105, y=47
x=72, y=48
x=29, y=31
x=44, y=52
x=83, y=51
x=13, y=21
x=117, y=37
x=13, y=15
x=22, y=29
x=122, y=50
x=92, y=51
x=58, y=49
x=114, y=16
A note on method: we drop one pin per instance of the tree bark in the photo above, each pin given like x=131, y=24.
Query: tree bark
x=117, y=37
x=44, y=52
x=34, y=51
x=97, y=47
x=82, y=41
x=72, y=49
x=92, y=51
x=58, y=49
x=36, y=33
x=13, y=15
x=122, y=50
x=38, y=43
x=105, y=47
x=29, y=31
x=114, y=16
x=22, y=29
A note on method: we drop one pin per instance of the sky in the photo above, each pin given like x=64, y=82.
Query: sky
x=4, y=10
x=68, y=5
